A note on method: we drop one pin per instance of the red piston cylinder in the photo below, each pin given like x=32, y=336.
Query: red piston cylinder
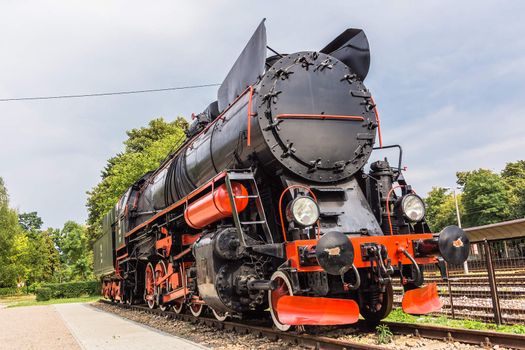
x=215, y=206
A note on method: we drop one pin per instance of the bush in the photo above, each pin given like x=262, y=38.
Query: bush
x=43, y=294
x=71, y=289
x=10, y=291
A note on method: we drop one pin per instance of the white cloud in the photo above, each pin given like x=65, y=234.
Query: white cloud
x=455, y=139
x=447, y=76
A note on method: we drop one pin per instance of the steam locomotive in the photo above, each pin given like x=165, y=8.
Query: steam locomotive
x=272, y=203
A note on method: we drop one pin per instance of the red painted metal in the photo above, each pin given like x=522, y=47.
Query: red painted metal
x=177, y=281
x=378, y=123
x=119, y=260
x=164, y=245
x=215, y=206
x=181, y=254
x=188, y=239
x=179, y=203
x=292, y=254
x=394, y=245
x=316, y=311
x=107, y=289
x=320, y=117
x=121, y=257
x=249, y=116
x=161, y=275
x=174, y=295
x=421, y=301
x=174, y=277
x=115, y=290
x=150, y=282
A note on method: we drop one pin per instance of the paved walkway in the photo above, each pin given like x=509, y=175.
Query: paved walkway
x=79, y=326
x=34, y=327
x=95, y=329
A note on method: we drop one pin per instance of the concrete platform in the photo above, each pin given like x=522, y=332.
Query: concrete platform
x=95, y=329
x=34, y=327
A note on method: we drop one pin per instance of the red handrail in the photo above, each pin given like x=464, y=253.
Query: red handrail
x=320, y=116
x=378, y=123
x=249, y=115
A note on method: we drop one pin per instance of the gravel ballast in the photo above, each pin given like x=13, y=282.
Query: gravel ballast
x=220, y=339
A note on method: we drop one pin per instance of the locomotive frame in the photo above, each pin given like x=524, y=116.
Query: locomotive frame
x=248, y=215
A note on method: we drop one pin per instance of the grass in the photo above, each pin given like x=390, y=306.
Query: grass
x=384, y=334
x=30, y=300
x=398, y=315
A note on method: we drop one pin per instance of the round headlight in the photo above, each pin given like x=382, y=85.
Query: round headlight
x=413, y=207
x=304, y=211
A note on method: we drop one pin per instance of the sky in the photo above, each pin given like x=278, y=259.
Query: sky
x=448, y=78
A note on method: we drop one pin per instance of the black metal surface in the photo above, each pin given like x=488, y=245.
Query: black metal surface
x=335, y=253
x=306, y=122
x=103, y=249
x=492, y=284
x=352, y=48
x=224, y=276
x=313, y=84
x=309, y=83
x=246, y=69
x=454, y=245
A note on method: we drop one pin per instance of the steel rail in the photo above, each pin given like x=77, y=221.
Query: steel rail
x=469, y=336
x=488, y=309
x=476, y=337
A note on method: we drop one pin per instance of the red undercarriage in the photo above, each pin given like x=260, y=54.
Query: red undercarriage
x=300, y=310
x=303, y=310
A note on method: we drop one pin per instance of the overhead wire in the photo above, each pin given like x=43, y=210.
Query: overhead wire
x=111, y=93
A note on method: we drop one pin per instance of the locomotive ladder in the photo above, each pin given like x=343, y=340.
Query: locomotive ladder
x=246, y=178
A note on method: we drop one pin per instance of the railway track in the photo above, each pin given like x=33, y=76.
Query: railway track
x=306, y=340
x=480, y=292
x=481, y=338
x=482, y=313
x=472, y=297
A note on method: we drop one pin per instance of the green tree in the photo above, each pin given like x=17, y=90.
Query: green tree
x=514, y=177
x=441, y=208
x=42, y=259
x=13, y=243
x=76, y=252
x=51, y=268
x=485, y=197
x=30, y=221
x=140, y=139
x=145, y=148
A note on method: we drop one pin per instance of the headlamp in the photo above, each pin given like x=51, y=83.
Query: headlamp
x=413, y=207
x=303, y=210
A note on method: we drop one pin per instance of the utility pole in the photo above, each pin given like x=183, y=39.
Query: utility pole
x=465, y=264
